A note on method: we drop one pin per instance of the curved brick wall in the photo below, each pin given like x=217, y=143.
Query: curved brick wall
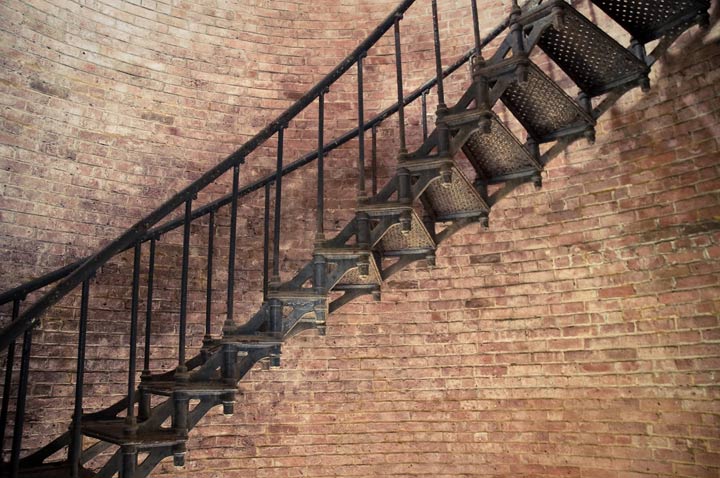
x=577, y=337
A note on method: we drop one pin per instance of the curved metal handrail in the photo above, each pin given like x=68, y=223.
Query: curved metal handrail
x=71, y=275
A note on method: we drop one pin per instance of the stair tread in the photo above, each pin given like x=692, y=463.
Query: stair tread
x=113, y=431
x=286, y=294
x=384, y=207
x=249, y=341
x=455, y=200
x=594, y=60
x=205, y=387
x=648, y=20
x=345, y=251
x=543, y=108
x=498, y=153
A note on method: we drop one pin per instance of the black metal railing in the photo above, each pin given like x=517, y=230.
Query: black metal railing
x=80, y=273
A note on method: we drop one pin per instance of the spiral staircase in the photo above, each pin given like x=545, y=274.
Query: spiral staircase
x=428, y=199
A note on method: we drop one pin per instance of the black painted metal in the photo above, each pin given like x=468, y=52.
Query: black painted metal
x=76, y=444
x=131, y=419
x=9, y=365
x=277, y=219
x=361, y=130
x=438, y=57
x=181, y=369
x=374, y=160
x=476, y=27
x=320, y=224
x=20, y=406
x=423, y=112
x=149, y=309
x=208, y=292
x=31, y=316
x=400, y=95
x=230, y=301
x=266, y=242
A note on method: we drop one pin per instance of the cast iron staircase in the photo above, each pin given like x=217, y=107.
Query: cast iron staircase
x=427, y=200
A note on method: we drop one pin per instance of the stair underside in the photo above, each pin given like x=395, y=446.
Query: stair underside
x=544, y=109
x=113, y=431
x=454, y=200
x=588, y=55
x=498, y=155
x=648, y=20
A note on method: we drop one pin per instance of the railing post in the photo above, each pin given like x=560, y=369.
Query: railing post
x=181, y=370
x=442, y=127
x=20, y=407
x=480, y=81
x=208, y=291
x=144, y=399
x=8, y=381
x=76, y=444
x=374, y=160
x=518, y=41
x=400, y=94
x=320, y=224
x=361, y=130
x=131, y=419
x=229, y=324
x=266, y=242
x=423, y=112
x=275, y=280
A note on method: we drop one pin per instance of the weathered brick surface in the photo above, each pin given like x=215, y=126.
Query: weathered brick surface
x=577, y=336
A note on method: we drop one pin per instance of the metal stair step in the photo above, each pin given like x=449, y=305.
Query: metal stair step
x=648, y=20
x=114, y=431
x=588, y=55
x=190, y=389
x=544, y=109
x=498, y=155
x=248, y=342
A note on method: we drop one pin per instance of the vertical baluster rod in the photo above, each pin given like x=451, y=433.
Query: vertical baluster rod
x=131, y=419
x=208, y=293
x=149, y=308
x=424, y=115
x=266, y=242
x=400, y=95
x=374, y=160
x=76, y=444
x=181, y=371
x=361, y=130
x=20, y=407
x=230, y=303
x=438, y=57
x=278, y=203
x=8, y=381
x=320, y=227
x=476, y=27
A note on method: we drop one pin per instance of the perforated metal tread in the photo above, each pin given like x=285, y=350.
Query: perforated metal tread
x=648, y=20
x=195, y=389
x=395, y=243
x=588, y=55
x=113, y=431
x=455, y=200
x=544, y=109
x=498, y=155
